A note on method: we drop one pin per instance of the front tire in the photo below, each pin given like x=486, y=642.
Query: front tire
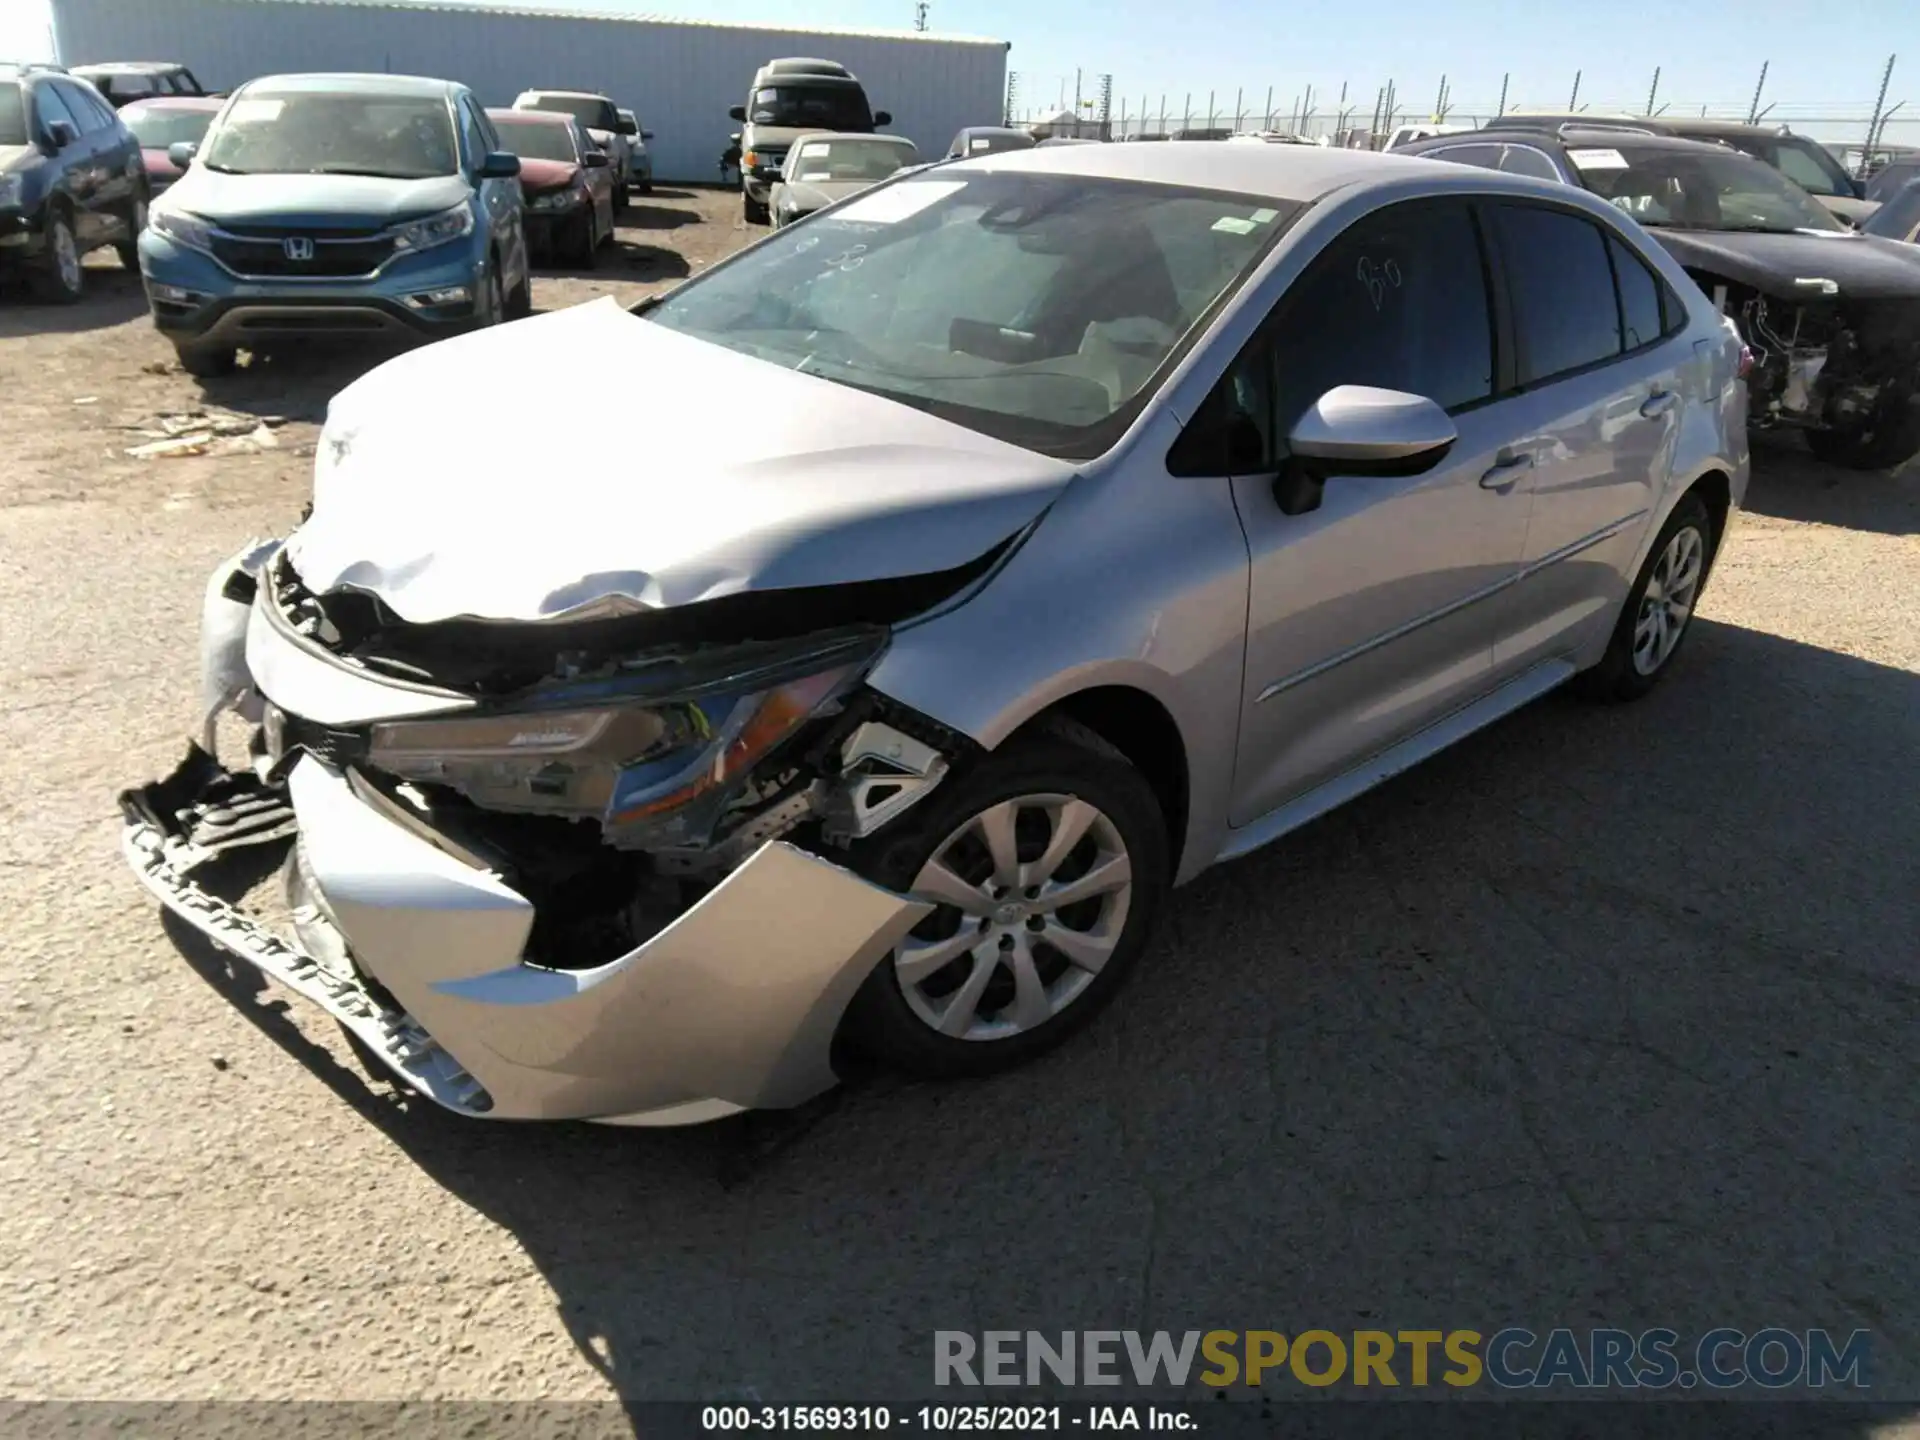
x=1048, y=861
x=207, y=362
x=752, y=211
x=136, y=220
x=1880, y=442
x=59, y=278
x=1659, y=609
x=586, y=242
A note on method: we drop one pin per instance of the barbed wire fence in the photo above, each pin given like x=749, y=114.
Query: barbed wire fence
x=1099, y=109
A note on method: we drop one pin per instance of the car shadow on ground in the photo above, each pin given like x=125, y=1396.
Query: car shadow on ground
x=295, y=382
x=619, y=259
x=1603, y=1017
x=111, y=296
x=640, y=215
x=1792, y=485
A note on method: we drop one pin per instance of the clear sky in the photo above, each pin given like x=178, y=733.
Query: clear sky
x=1826, y=59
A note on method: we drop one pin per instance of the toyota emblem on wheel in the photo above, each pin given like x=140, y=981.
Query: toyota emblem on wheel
x=298, y=247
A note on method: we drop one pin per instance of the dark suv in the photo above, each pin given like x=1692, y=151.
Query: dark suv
x=71, y=179
x=124, y=81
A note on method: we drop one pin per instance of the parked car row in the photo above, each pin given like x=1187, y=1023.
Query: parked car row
x=1104, y=516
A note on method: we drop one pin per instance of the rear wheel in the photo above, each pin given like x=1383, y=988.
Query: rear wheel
x=1881, y=441
x=751, y=210
x=1046, y=863
x=59, y=278
x=1659, y=608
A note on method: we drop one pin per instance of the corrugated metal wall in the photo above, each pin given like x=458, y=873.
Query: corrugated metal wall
x=679, y=78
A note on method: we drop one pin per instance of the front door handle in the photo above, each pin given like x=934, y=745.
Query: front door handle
x=1506, y=472
x=1659, y=403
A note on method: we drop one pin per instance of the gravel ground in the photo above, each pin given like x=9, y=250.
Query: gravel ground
x=1604, y=1017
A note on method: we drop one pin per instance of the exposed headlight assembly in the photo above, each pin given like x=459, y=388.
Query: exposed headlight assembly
x=555, y=200
x=435, y=229
x=182, y=228
x=656, y=766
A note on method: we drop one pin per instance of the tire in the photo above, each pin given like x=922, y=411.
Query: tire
x=752, y=211
x=136, y=220
x=586, y=243
x=1882, y=442
x=520, y=302
x=622, y=197
x=1635, y=661
x=645, y=187
x=496, y=311
x=206, y=362
x=893, y=1017
x=58, y=277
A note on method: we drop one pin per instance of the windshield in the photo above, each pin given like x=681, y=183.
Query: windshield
x=537, y=140
x=1038, y=309
x=156, y=127
x=817, y=162
x=816, y=107
x=1802, y=161
x=1899, y=218
x=592, y=112
x=304, y=132
x=13, y=114
x=1699, y=189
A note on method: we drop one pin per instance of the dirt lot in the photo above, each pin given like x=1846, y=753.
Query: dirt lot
x=1606, y=1017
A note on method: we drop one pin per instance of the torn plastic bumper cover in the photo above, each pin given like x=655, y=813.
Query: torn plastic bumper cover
x=418, y=953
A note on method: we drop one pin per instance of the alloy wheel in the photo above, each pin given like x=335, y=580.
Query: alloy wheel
x=66, y=256
x=1032, y=896
x=1667, y=604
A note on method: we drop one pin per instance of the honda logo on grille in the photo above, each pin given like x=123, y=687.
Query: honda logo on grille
x=298, y=247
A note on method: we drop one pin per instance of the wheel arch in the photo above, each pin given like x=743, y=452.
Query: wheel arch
x=1134, y=723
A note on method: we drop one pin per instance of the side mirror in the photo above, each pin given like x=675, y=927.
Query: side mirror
x=646, y=134
x=883, y=117
x=499, y=165
x=1359, y=430
x=60, y=134
x=180, y=154
x=738, y=112
x=627, y=127
x=596, y=159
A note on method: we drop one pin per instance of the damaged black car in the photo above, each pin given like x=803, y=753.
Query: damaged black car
x=1831, y=316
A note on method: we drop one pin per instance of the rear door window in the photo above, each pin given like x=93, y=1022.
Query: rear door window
x=1487, y=157
x=1566, y=315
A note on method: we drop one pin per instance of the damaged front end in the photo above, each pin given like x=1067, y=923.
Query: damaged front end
x=1823, y=360
x=568, y=870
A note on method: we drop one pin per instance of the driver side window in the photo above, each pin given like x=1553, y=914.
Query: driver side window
x=1399, y=302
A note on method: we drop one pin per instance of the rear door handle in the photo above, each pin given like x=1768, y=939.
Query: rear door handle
x=1506, y=472
x=1659, y=403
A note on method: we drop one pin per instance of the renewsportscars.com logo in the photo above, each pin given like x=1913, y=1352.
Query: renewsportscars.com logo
x=1515, y=1358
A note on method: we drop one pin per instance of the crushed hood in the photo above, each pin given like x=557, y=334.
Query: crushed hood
x=431, y=498
x=1864, y=266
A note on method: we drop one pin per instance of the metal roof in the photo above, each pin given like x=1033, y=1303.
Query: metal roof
x=454, y=7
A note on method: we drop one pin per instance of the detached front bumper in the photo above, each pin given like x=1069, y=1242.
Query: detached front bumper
x=415, y=945
x=416, y=951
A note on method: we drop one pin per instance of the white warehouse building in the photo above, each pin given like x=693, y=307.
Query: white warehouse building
x=679, y=77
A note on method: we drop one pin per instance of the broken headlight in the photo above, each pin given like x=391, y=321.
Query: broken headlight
x=655, y=765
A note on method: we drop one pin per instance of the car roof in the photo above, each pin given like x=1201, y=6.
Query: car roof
x=529, y=117
x=1658, y=124
x=1568, y=138
x=897, y=142
x=992, y=130
x=128, y=67
x=566, y=95
x=177, y=102
x=1284, y=172
x=348, y=83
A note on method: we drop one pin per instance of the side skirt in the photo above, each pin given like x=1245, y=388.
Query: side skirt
x=1523, y=689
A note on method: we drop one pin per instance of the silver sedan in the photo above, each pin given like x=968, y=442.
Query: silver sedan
x=1101, y=513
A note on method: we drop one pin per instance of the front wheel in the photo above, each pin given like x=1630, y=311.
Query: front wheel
x=586, y=242
x=752, y=211
x=59, y=278
x=1659, y=608
x=136, y=220
x=1879, y=442
x=1046, y=863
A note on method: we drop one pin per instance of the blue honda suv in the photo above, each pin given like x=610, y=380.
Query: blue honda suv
x=336, y=206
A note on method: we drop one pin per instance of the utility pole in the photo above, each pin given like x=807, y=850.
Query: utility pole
x=1652, y=90
x=1503, y=96
x=920, y=16
x=1440, y=102
x=1753, y=110
x=1306, y=112
x=1880, y=100
x=1573, y=100
x=1237, y=110
x=1013, y=94
x=1266, y=115
x=1106, y=107
x=1210, y=110
x=1393, y=104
